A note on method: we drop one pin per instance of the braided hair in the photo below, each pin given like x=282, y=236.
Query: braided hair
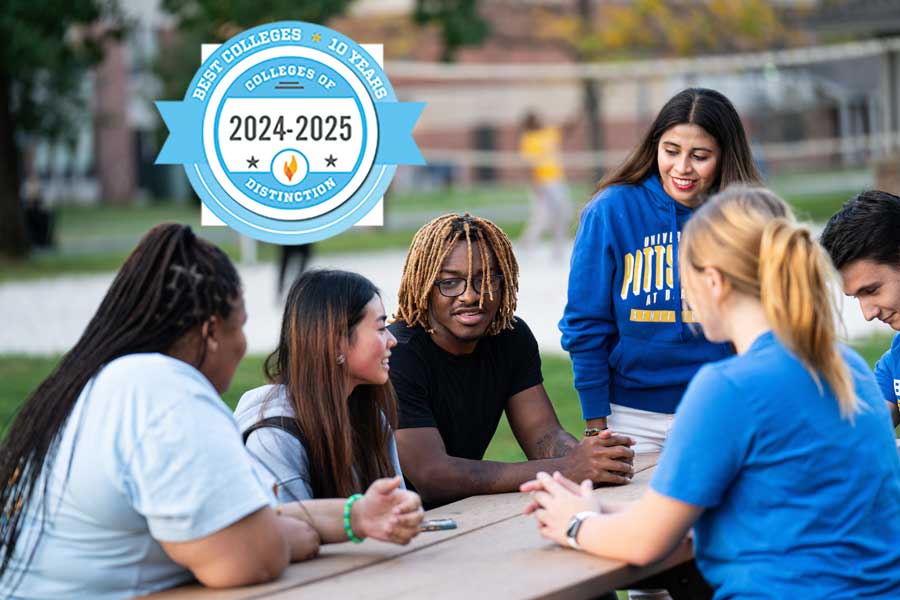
x=427, y=253
x=170, y=284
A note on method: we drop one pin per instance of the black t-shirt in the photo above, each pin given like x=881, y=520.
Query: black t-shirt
x=463, y=396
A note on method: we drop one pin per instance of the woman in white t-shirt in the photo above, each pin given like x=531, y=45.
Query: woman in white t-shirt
x=324, y=427
x=125, y=473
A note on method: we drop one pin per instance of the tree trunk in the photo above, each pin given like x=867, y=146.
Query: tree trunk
x=592, y=91
x=13, y=238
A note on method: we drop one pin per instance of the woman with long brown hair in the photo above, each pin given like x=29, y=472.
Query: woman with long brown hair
x=124, y=472
x=625, y=325
x=782, y=458
x=324, y=426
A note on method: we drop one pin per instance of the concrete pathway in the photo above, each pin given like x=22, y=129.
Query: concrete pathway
x=48, y=316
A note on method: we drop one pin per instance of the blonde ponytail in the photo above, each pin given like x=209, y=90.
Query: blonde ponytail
x=751, y=237
x=793, y=274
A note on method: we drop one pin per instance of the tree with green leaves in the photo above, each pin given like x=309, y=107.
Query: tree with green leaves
x=46, y=48
x=214, y=21
x=653, y=28
x=662, y=28
x=458, y=20
x=597, y=31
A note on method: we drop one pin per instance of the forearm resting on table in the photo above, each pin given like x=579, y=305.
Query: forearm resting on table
x=255, y=549
x=554, y=443
x=641, y=533
x=456, y=478
x=326, y=516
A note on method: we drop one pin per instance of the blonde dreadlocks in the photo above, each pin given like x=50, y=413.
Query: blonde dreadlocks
x=430, y=247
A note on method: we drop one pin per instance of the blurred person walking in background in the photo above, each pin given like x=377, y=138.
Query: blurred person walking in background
x=551, y=208
x=293, y=258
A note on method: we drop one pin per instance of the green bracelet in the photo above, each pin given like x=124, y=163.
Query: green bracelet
x=347, y=528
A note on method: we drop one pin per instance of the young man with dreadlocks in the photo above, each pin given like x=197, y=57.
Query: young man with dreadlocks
x=862, y=239
x=463, y=358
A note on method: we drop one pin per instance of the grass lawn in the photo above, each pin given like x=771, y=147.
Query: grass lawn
x=98, y=238
x=19, y=375
x=817, y=208
x=100, y=251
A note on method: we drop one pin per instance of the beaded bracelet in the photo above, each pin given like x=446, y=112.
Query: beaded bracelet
x=347, y=528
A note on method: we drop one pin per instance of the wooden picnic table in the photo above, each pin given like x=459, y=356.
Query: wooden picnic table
x=495, y=552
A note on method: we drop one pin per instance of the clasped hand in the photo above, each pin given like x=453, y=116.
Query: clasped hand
x=603, y=458
x=555, y=500
x=387, y=513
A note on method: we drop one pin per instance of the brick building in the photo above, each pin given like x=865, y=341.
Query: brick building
x=469, y=130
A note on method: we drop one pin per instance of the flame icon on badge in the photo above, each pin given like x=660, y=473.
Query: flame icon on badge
x=290, y=167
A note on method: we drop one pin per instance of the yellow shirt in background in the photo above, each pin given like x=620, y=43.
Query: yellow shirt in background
x=540, y=148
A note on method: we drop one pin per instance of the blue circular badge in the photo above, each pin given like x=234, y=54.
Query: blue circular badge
x=290, y=132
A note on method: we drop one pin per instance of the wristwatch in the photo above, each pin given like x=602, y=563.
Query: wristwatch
x=575, y=525
x=593, y=431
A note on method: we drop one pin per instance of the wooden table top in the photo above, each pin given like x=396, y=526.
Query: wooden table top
x=495, y=552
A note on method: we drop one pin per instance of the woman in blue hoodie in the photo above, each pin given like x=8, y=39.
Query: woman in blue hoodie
x=625, y=323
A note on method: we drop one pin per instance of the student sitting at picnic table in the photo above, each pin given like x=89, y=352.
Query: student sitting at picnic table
x=463, y=358
x=124, y=472
x=324, y=427
x=863, y=239
x=781, y=457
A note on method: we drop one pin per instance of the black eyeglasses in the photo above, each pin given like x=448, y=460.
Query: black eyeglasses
x=456, y=286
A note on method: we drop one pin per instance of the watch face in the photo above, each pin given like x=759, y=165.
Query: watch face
x=574, y=526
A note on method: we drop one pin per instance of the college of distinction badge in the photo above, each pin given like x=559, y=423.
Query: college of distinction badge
x=290, y=132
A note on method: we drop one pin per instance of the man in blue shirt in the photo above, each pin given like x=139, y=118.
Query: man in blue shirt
x=863, y=239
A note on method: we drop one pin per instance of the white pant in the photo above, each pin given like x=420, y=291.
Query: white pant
x=649, y=430
x=551, y=210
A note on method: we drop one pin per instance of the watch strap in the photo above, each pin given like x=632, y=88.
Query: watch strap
x=575, y=526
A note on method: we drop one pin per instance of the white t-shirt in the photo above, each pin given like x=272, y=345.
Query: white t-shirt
x=158, y=456
x=279, y=452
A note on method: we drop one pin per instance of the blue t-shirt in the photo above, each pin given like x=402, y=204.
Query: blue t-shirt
x=799, y=503
x=887, y=372
x=152, y=453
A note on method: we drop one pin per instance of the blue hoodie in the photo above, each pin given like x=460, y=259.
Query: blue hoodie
x=624, y=324
x=887, y=372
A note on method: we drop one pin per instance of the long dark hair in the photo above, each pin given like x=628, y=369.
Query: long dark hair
x=346, y=439
x=713, y=112
x=170, y=284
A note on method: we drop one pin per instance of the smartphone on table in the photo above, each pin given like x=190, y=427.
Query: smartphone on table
x=437, y=525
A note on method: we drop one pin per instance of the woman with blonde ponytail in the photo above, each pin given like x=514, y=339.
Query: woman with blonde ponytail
x=793, y=288
x=782, y=457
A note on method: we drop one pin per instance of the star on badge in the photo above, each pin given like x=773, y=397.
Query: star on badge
x=252, y=162
x=330, y=161
x=316, y=37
